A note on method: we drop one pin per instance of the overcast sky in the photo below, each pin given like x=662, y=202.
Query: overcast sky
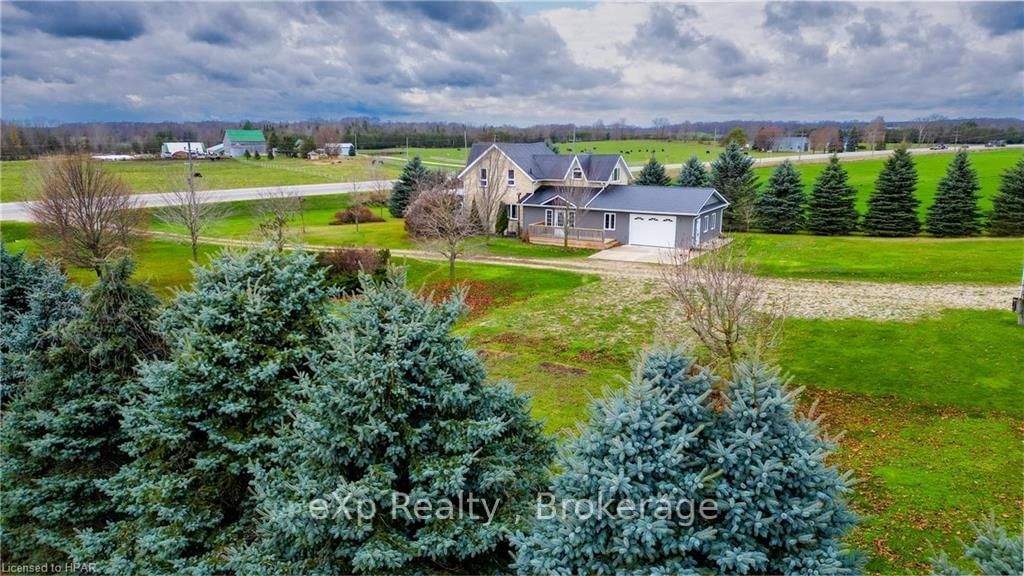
x=511, y=62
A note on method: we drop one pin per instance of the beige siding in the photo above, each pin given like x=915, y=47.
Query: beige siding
x=496, y=162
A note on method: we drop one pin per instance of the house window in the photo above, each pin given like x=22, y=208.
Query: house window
x=577, y=173
x=572, y=219
x=615, y=174
x=483, y=176
x=714, y=220
x=549, y=218
x=705, y=223
x=512, y=177
x=609, y=221
x=513, y=211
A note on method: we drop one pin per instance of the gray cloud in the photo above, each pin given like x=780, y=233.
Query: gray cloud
x=789, y=17
x=484, y=62
x=999, y=17
x=97, y=20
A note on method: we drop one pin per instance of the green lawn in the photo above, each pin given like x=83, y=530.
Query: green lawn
x=930, y=169
x=916, y=260
x=967, y=359
x=318, y=211
x=146, y=176
x=933, y=409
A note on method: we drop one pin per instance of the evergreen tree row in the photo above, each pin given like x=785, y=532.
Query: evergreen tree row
x=203, y=437
x=783, y=207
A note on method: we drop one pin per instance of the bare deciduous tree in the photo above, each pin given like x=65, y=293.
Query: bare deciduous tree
x=275, y=211
x=187, y=208
x=380, y=188
x=724, y=303
x=85, y=214
x=439, y=220
x=575, y=196
x=490, y=193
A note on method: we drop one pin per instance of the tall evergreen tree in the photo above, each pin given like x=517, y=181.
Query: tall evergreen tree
x=399, y=407
x=955, y=210
x=238, y=341
x=779, y=508
x=832, y=210
x=653, y=174
x=62, y=435
x=639, y=445
x=782, y=205
x=892, y=209
x=733, y=176
x=35, y=299
x=413, y=174
x=693, y=174
x=1008, y=205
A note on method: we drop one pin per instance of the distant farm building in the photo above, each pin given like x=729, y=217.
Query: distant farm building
x=790, y=144
x=340, y=149
x=238, y=142
x=216, y=150
x=180, y=150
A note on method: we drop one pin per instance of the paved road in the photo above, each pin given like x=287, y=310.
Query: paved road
x=19, y=211
x=821, y=158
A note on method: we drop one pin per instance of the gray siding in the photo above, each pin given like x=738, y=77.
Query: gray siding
x=595, y=219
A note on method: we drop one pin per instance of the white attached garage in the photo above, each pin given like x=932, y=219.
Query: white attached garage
x=652, y=230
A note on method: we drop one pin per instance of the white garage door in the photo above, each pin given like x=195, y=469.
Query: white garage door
x=652, y=230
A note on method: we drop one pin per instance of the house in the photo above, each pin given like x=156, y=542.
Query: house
x=589, y=198
x=340, y=149
x=790, y=144
x=237, y=142
x=180, y=150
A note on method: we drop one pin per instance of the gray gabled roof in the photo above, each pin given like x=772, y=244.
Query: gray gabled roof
x=541, y=163
x=653, y=199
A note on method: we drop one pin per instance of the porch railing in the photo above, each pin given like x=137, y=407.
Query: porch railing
x=539, y=230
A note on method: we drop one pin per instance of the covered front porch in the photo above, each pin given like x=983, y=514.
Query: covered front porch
x=595, y=238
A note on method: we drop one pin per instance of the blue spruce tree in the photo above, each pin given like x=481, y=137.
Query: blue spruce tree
x=238, y=342
x=62, y=434
x=783, y=508
x=35, y=300
x=779, y=508
x=398, y=407
x=641, y=445
x=993, y=552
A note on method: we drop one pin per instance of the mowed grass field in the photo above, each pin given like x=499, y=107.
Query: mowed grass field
x=636, y=152
x=930, y=169
x=147, y=176
x=919, y=260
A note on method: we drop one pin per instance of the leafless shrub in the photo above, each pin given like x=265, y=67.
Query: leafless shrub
x=439, y=220
x=186, y=206
x=86, y=215
x=723, y=303
x=275, y=212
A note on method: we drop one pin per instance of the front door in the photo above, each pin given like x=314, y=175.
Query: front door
x=696, y=232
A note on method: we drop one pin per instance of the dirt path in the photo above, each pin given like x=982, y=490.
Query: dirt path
x=626, y=281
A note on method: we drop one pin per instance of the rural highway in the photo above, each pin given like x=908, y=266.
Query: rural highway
x=821, y=158
x=19, y=211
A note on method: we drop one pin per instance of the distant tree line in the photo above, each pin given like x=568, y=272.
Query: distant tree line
x=22, y=140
